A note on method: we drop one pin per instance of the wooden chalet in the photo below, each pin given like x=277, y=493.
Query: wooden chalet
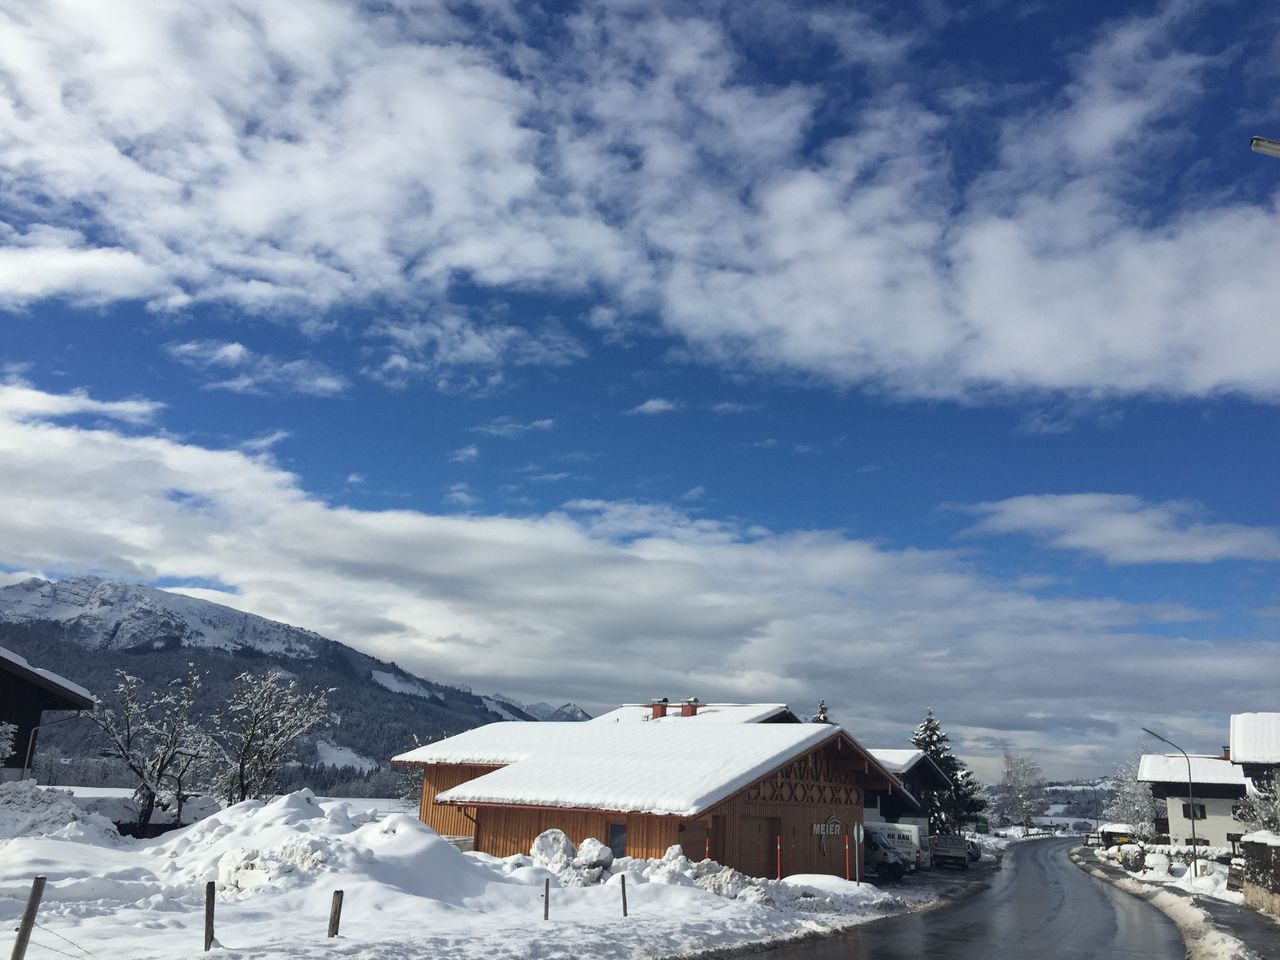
x=920, y=776
x=752, y=795
x=25, y=693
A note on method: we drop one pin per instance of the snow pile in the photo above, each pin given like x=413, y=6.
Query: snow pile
x=408, y=893
x=593, y=863
x=26, y=810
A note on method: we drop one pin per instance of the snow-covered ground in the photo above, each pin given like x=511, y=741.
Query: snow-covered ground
x=1168, y=866
x=408, y=893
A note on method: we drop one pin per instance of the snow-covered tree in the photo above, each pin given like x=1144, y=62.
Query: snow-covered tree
x=949, y=809
x=1260, y=809
x=7, y=733
x=1021, y=792
x=1131, y=802
x=409, y=782
x=151, y=731
x=257, y=729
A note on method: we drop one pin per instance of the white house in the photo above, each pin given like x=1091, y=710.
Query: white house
x=1216, y=786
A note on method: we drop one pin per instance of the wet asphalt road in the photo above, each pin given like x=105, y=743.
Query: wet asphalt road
x=1039, y=906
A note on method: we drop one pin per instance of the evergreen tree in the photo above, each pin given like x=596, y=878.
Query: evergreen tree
x=948, y=809
x=7, y=732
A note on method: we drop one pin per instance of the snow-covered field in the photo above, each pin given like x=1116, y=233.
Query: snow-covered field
x=408, y=893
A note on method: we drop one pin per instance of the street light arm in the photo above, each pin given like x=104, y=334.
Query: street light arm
x=1191, y=797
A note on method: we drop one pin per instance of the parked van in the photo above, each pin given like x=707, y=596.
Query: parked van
x=882, y=857
x=905, y=838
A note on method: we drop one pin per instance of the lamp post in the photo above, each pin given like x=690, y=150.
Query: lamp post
x=1191, y=800
x=1265, y=145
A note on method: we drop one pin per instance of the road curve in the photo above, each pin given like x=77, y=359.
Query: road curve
x=1039, y=907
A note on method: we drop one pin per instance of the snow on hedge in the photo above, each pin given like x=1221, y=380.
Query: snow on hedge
x=408, y=893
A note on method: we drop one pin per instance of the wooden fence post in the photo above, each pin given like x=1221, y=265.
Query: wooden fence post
x=335, y=913
x=624, y=894
x=546, y=898
x=28, y=918
x=208, y=915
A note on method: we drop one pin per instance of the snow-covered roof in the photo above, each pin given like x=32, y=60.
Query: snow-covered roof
x=662, y=768
x=1255, y=737
x=707, y=712
x=899, y=762
x=1115, y=828
x=1172, y=768
x=78, y=696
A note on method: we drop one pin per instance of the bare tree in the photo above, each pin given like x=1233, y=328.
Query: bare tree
x=1132, y=802
x=150, y=731
x=263, y=719
x=1020, y=795
x=1260, y=809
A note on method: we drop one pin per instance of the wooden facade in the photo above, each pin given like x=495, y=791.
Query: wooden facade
x=802, y=809
x=24, y=695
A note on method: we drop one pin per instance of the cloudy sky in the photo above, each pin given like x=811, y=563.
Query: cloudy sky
x=754, y=350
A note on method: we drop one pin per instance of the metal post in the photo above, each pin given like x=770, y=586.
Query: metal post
x=335, y=913
x=28, y=918
x=1191, y=802
x=546, y=898
x=208, y=916
x=624, y=894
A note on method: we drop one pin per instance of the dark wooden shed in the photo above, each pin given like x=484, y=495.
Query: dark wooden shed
x=26, y=692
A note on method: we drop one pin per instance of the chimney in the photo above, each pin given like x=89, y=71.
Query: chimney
x=690, y=707
x=1226, y=753
x=659, y=708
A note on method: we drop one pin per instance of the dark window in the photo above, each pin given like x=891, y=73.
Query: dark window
x=618, y=839
x=1193, y=811
x=1234, y=837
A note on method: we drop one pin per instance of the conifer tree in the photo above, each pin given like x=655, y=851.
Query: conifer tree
x=951, y=808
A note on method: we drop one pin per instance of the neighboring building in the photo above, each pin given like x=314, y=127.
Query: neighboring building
x=737, y=792
x=920, y=776
x=1216, y=787
x=1255, y=743
x=25, y=693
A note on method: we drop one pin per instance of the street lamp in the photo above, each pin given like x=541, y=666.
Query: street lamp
x=1191, y=800
x=1265, y=145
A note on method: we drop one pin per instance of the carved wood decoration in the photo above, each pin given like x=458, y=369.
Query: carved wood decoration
x=812, y=779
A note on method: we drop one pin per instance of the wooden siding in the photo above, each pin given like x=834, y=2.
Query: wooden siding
x=504, y=831
x=448, y=821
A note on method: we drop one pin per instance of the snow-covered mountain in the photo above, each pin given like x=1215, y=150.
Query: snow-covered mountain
x=568, y=713
x=120, y=616
x=154, y=634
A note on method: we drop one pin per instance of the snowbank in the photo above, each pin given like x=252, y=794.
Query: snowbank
x=408, y=893
x=28, y=810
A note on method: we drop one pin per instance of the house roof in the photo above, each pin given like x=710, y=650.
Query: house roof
x=707, y=713
x=61, y=693
x=902, y=762
x=660, y=768
x=1172, y=768
x=1255, y=738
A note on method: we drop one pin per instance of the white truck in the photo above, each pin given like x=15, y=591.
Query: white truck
x=904, y=838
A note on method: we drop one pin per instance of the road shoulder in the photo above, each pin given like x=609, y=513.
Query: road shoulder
x=1207, y=937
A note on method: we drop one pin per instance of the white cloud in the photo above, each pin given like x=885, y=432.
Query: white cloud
x=236, y=368
x=1125, y=529
x=21, y=401
x=468, y=454
x=509, y=427
x=290, y=159
x=460, y=495
x=731, y=406
x=653, y=407
x=266, y=441
x=605, y=601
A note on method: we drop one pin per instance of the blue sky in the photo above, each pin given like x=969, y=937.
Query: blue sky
x=759, y=351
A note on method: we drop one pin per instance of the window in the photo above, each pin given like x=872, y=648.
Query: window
x=618, y=839
x=1193, y=811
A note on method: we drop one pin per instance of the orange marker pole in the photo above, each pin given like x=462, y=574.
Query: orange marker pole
x=846, y=857
x=779, y=858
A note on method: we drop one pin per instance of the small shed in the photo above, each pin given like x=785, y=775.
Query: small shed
x=760, y=797
x=26, y=692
